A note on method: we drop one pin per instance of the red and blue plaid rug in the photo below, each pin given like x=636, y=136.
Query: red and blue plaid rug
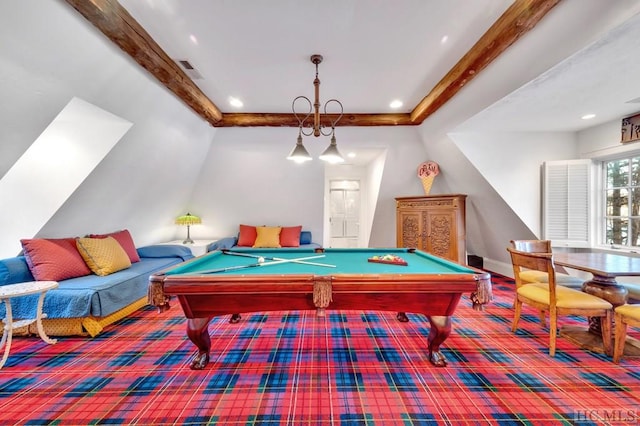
x=349, y=368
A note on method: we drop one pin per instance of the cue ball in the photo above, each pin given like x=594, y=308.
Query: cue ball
x=261, y=260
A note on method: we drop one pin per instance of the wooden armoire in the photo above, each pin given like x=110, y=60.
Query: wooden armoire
x=433, y=223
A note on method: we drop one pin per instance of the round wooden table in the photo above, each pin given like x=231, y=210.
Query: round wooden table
x=7, y=292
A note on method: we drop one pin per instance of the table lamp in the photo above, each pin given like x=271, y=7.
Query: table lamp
x=188, y=220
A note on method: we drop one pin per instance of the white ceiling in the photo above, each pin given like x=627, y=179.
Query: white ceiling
x=602, y=79
x=376, y=51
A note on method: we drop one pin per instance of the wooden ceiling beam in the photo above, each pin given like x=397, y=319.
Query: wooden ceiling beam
x=119, y=26
x=515, y=22
x=123, y=30
x=289, y=120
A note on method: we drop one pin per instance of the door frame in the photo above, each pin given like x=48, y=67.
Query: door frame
x=346, y=173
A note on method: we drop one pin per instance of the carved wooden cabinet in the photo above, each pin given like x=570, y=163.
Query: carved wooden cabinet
x=433, y=223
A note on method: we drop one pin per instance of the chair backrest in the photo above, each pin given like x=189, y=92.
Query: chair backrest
x=532, y=246
x=533, y=261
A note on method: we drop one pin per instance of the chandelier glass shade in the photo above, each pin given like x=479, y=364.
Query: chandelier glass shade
x=308, y=127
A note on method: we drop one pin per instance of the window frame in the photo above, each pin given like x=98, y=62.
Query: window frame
x=601, y=201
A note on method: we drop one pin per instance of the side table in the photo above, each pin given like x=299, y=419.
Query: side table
x=7, y=292
x=198, y=247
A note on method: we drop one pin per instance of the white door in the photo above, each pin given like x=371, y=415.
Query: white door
x=344, y=213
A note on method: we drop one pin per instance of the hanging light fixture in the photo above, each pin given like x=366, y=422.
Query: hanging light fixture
x=299, y=153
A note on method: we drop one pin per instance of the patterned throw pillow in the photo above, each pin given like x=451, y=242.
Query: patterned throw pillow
x=54, y=259
x=267, y=237
x=104, y=256
x=125, y=240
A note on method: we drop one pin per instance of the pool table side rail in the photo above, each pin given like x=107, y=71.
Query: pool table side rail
x=296, y=292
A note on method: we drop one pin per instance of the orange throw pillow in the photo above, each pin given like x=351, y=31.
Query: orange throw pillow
x=290, y=236
x=268, y=237
x=104, y=256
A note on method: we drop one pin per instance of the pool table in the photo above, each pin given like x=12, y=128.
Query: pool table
x=224, y=282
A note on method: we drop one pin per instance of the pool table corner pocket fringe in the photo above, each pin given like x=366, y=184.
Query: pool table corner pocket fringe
x=322, y=295
x=156, y=296
x=482, y=295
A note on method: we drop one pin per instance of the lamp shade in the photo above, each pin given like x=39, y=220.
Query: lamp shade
x=331, y=154
x=299, y=154
x=188, y=219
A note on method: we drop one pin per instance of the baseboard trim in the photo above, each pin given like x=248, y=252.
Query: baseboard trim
x=499, y=267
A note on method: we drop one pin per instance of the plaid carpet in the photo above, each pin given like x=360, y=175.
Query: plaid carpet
x=350, y=368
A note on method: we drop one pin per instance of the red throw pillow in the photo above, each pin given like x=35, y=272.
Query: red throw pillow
x=54, y=259
x=248, y=235
x=290, y=236
x=125, y=240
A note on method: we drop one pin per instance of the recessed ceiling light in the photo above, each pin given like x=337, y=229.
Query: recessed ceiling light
x=235, y=102
x=588, y=116
x=396, y=104
x=193, y=39
x=351, y=155
x=444, y=39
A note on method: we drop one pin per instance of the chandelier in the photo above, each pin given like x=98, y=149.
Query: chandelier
x=299, y=154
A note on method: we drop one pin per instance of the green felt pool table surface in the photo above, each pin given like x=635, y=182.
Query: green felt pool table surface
x=346, y=261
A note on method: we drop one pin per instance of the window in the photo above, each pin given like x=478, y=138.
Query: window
x=621, y=197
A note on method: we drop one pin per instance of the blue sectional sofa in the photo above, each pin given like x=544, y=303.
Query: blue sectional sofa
x=85, y=305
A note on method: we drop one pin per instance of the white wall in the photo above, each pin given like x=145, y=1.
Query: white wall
x=375, y=172
x=511, y=164
x=603, y=141
x=50, y=54
x=247, y=179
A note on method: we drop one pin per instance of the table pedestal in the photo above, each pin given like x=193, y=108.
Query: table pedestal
x=591, y=339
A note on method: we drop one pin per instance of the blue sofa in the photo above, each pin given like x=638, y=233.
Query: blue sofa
x=85, y=305
x=230, y=243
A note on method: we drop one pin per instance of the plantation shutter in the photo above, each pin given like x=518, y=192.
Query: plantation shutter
x=567, y=203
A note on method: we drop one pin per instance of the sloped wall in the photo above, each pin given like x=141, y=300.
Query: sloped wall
x=146, y=179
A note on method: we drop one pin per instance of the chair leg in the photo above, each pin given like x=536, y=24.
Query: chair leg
x=605, y=325
x=516, y=315
x=621, y=336
x=553, y=330
x=543, y=318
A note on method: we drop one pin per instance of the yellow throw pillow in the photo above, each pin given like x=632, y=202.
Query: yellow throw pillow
x=267, y=237
x=103, y=256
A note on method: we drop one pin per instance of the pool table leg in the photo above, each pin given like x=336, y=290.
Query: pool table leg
x=198, y=333
x=440, y=330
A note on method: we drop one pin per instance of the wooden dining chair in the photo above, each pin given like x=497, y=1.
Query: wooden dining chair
x=533, y=276
x=555, y=299
x=529, y=276
x=625, y=315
